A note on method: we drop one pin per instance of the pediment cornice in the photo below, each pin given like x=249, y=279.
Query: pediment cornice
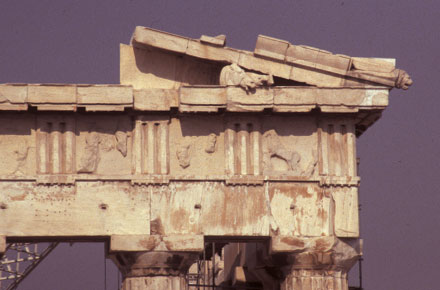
x=281, y=59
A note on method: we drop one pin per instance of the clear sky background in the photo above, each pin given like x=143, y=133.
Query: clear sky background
x=55, y=41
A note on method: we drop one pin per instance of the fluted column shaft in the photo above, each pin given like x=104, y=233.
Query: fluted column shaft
x=315, y=280
x=155, y=282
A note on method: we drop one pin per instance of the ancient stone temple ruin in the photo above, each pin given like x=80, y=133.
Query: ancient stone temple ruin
x=252, y=152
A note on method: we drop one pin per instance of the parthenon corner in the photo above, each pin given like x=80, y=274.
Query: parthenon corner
x=206, y=165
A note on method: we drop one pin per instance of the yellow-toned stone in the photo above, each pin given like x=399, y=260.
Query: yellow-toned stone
x=199, y=143
x=13, y=94
x=105, y=94
x=51, y=94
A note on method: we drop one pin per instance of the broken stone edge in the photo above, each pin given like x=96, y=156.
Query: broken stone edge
x=278, y=58
x=60, y=97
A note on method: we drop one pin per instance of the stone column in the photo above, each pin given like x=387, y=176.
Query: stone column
x=155, y=262
x=314, y=263
x=154, y=270
x=293, y=263
x=315, y=279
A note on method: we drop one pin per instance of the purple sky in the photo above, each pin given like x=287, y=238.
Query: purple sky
x=54, y=41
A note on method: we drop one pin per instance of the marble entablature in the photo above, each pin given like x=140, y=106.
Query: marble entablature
x=198, y=140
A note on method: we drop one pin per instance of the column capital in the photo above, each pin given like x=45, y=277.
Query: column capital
x=326, y=253
x=154, y=263
x=314, y=263
x=298, y=263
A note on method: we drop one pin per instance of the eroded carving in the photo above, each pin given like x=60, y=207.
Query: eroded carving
x=89, y=161
x=98, y=144
x=403, y=80
x=379, y=69
x=282, y=160
x=211, y=143
x=233, y=75
x=106, y=142
x=311, y=168
x=21, y=155
x=183, y=154
x=276, y=155
x=121, y=142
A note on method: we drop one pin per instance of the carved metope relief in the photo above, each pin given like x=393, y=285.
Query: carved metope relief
x=277, y=157
x=21, y=156
x=243, y=147
x=90, y=159
x=102, y=145
x=121, y=142
x=211, y=144
x=151, y=145
x=55, y=144
x=337, y=148
x=183, y=153
x=281, y=159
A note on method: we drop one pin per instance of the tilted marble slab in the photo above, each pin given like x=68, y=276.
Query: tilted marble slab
x=280, y=58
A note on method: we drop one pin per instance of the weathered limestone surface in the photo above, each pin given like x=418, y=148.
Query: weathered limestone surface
x=194, y=98
x=282, y=59
x=139, y=243
x=323, y=267
x=198, y=142
x=315, y=280
x=83, y=209
x=154, y=269
x=155, y=282
x=288, y=262
x=116, y=208
x=146, y=69
x=346, y=212
x=2, y=245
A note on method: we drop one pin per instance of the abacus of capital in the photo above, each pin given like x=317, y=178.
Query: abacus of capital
x=198, y=142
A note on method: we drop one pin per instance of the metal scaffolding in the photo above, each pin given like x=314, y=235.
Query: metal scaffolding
x=19, y=260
